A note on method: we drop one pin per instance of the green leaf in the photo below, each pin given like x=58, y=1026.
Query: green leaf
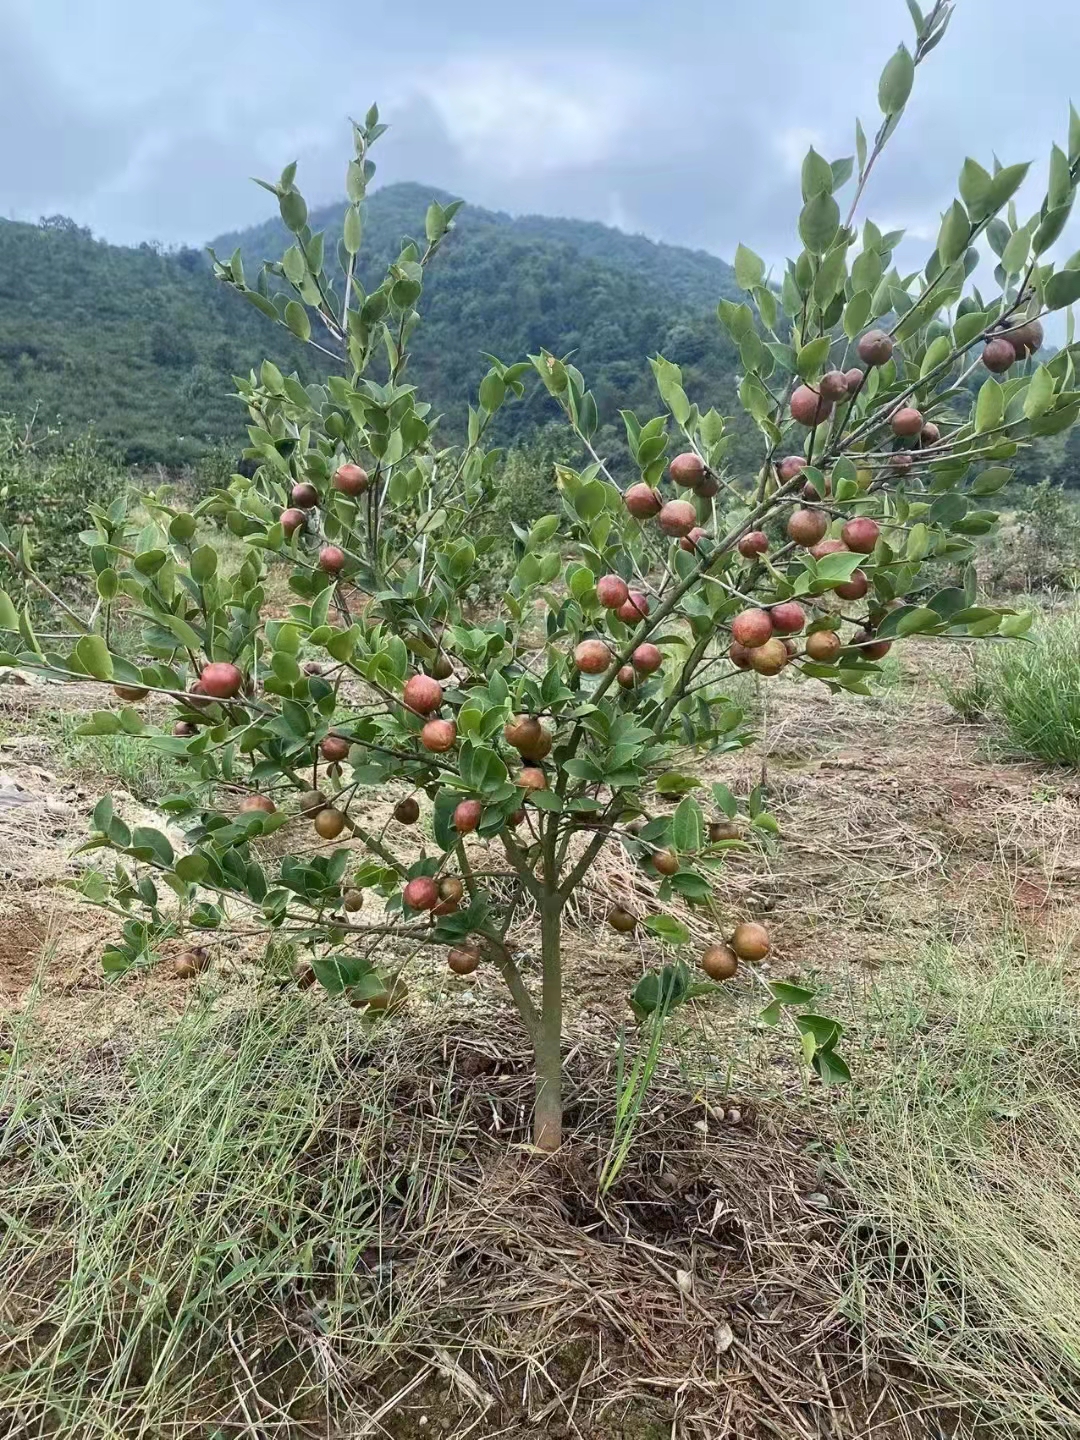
x=819, y=222
x=9, y=616
x=353, y=232
x=1052, y=225
x=203, y=564
x=817, y=175
x=749, y=268
x=688, y=827
x=812, y=357
x=296, y=318
x=667, y=929
x=192, y=868
x=1006, y=183
x=977, y=189
x=1040, y=393
x=1062, y=289
x=103, y=814
x=896, y=81
x=991, y=481
x=789, y=994
x=94, y=655
x=990, y=407
x=293, y=210
x=953, y=235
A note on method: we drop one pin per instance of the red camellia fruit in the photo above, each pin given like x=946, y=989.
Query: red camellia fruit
x=421, y=893
x=463, y=959
x=688, y=470
x=677, y=517
x=709, y=487
x=467, y=816
x=827, y=547
x=1026, y=339
x=331, y=559
x=833, y=385
x=627, y=677
x=998, y=356
x=860, y=534
x=611, y=591
x=719, y=962
x=642, y=501
x=907, y=422
x=807, y=527
x=256, y=804
x=770, y=658
x=523, y=732
x=690, y=542
x=870, y=647
x=854, y=587
x=900, y=462
x=304, y=495
x=407, y=811
x=752, y=628
x=753, y=545
x=788, y=617
x=854, y=378
x=221, y=680
x=422, y=694
x=808, y=407
x=634, y=609
x=592, y=657
x=647, y=659
x=790, y=466
x=750, y=941
x=739, y=655
x=531, y=777
x=291, y=521
x=439, y=736
x=930, y=434
x=824, y=646
x=350, y=479
x=334, y=748
x=876, y=348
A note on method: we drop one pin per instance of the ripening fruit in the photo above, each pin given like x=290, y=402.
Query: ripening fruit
x=752, y=628
x=860, y=534
x=291, y=521
x=868, y=646
x=334, y=748
x=688, y=470
x=634, y=609
x=438, y=736
x=311, y=802
x=827, y=547
x=754, y=544
x=876, y=348
x=739, y=655
x=592, y=657
x=790, y=466
x=407, y=811
x=221, y=681
x=854, y=378
x=441, y=667
x=627, y=677
x=252, y=804
x=612, y=591
x=808, y=407
x=304, y=495
x=331, y=559
x=422, y=694
x=709, y=487
x=642, y=501
x=517, y=817
x=677, y=517
x=538, y=748
x=186, y=966
x=467, y=816
x=689, y=542
x=1026, y=339
x=750, y=941
x=350, y=479
x=646, y=659
x=770, y=658
x=791, y=646
x=463, y=959
x=722, y=830
x=621, y=919
x=666, y=861
x=421, y=893
x=824, y=646
x=930, y=434
x=998, y=356
x=522, y=732
x=833, y=385
x=854, y=587
x=907, y=422
x=864, y=478
x=451, y=889
x=532, y=778
x=788, y=617
x=329, y=823
x=806, y=527
x=901, y=462
x=130, y=692
x=719, y=962
x=352, y=901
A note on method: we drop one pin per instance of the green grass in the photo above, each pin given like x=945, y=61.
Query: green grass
x=196, y=1236
x=146, y=773
x=963, y=1157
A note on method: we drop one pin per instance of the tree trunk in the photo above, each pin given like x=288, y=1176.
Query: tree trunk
x=547, y=1115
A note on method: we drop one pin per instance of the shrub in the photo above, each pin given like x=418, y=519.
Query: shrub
x=565, y=722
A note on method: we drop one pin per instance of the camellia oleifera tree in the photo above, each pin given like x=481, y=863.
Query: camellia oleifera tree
x=889, y=406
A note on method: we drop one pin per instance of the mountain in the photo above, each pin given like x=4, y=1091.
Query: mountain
x=143, y=343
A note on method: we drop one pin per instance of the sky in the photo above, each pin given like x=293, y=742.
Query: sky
x=685, y=120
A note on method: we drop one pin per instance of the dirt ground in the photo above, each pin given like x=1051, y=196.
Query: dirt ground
x=898, y=824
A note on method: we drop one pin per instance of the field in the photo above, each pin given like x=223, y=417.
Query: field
x=235, y=1208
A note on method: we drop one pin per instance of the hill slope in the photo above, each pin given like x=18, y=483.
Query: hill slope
x=143, y=344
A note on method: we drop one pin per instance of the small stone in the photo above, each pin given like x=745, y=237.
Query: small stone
x=819, y=1200
x=734, y=1117
x=685, y=1281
